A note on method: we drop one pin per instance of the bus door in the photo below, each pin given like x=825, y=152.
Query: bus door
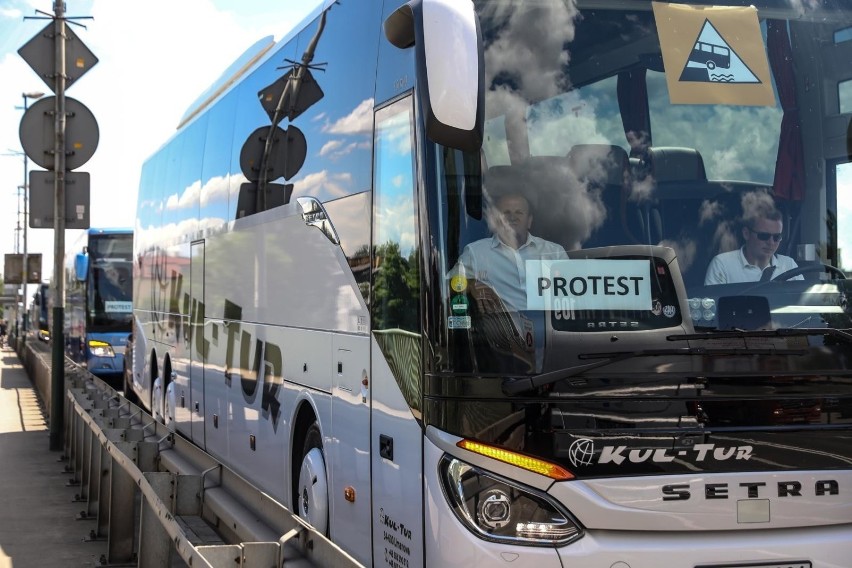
x=350, y=474
x=396, y=434
x=198, y=345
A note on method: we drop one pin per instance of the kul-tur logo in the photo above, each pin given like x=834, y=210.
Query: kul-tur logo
x=582, y=452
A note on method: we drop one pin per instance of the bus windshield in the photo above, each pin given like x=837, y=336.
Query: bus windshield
x=641, y=182
x=110, y=290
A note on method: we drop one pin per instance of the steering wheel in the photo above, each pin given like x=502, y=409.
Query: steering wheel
x=819, y=267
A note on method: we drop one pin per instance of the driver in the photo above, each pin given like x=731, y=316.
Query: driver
x=499, y=261
x=757, y=259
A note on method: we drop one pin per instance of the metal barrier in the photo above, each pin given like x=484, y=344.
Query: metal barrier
x=155, y=495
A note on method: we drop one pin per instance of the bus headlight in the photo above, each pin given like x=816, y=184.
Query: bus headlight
x=500, y=510
x=101, y=348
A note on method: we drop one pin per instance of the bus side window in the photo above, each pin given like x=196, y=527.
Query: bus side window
x=396, y=253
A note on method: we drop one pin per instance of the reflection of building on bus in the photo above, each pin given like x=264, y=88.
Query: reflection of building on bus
x=711, y=55
x=314, y=344
x=98, y=295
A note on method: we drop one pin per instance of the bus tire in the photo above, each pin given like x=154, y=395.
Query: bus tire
x=312, y=488
x=167, y=402
x=154, y=375
x=711, y=65
x=128, y=388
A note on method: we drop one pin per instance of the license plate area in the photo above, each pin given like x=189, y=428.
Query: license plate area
x=794, y=564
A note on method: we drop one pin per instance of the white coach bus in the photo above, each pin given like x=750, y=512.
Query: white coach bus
x=518, y=282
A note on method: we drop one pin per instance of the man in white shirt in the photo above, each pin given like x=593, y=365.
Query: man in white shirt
x=762, y=235
x=496, y=268
x=500, y=261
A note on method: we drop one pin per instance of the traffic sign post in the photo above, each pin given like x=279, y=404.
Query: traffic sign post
x=58, y=144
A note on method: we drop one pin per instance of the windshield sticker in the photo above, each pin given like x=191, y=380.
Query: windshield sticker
x=112, y=306
x=458, y=283
x=459, y=305
x=458, y=322
x=588, y=284
x=713, y=55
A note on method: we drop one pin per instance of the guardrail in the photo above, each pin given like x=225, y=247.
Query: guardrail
x=157, y=497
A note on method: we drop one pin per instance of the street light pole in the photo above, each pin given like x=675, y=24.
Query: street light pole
x=22, y=336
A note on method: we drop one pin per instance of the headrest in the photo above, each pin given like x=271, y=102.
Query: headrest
x=602, y=164
x=534, y=176
x=675, y=164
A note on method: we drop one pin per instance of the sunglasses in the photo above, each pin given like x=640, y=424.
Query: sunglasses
x=766, y=236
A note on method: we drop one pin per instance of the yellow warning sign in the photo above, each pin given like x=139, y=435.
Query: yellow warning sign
x=713, y=55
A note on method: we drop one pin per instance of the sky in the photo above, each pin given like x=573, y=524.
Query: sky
x=154, y=59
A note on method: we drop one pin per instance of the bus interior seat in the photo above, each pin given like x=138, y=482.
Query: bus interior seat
x=671, y=170
x=605, y=169
x=544, y=182
x=669, y=164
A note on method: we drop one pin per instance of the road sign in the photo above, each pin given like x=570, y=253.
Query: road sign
x=38, y=134
x=14, y=266
x=286, y=156
x=40, y=54
x=42, y=199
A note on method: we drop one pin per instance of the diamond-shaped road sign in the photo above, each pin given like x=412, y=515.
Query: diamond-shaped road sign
x=40, y=54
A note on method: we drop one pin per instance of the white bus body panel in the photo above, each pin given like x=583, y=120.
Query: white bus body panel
x=259, y=254
x=321, y=299
x=397, y=484
x=636, y=503
x=348, y=448
x=820, y=547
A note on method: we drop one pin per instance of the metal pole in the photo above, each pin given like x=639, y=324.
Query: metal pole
x=22, y=337
x=57, y=392
x=13, y=329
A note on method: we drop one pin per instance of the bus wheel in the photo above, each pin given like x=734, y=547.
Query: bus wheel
x=312, y=490
x=711, y=65
x=156, y=390
x=168, y=401
x=128, y=388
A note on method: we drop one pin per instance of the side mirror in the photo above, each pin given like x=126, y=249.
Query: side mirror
x=450, y=67
x=81, y=266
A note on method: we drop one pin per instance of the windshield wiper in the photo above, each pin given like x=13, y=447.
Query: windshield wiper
x=517, y=385
x=782, y=332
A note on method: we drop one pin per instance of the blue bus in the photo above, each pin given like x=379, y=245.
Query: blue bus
x=98, y=294
x=39, y=310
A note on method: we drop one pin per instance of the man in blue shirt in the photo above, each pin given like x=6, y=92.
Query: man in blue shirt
x=762, y=234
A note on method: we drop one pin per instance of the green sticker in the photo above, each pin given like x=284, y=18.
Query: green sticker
x=459, y=304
